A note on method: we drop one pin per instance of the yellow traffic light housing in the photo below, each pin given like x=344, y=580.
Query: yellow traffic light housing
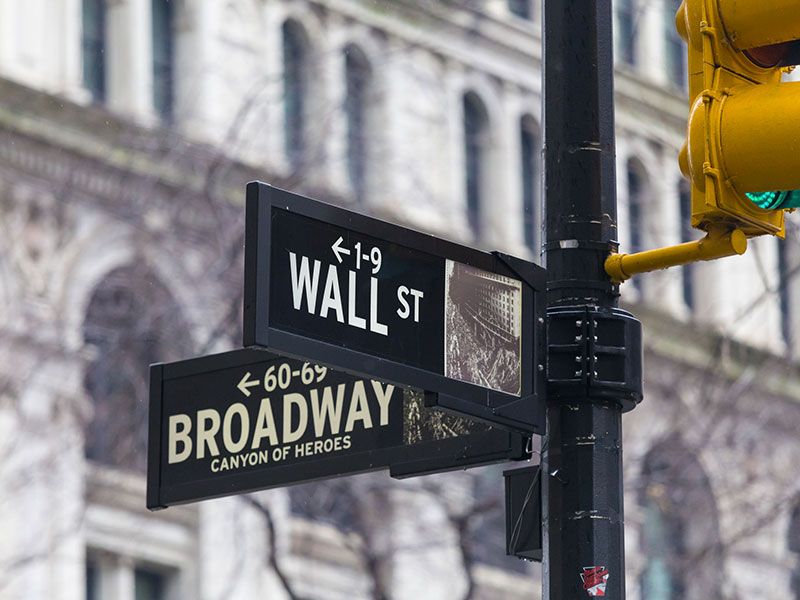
x=742, y=152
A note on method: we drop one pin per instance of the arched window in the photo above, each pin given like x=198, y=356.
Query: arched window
x=163, y=70
x=687, y=235
x=680, y=527
x=93, y=48
x=476, y=150
x=530, y=145
x=131, y=321
x=358, y=74
x=675, y=47
x=295, y=91
x=626, y=31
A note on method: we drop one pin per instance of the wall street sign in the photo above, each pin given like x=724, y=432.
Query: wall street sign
x=378, y=300
x=249, y=419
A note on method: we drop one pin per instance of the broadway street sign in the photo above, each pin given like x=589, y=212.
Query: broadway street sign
x=374, y=299
x=248, y=420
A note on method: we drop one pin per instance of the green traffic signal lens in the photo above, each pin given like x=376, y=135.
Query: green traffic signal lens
x=792, y=199
x=768, y=200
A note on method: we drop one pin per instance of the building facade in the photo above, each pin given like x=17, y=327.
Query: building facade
x=128, y=129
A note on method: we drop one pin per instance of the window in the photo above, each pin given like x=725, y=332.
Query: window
x=295, y=91
x=92, y=582
x=680, y=545
x=635, y=206
x=687, y=235
x=658, y=582
x=148, y=585
x=93, y=48
x=626, y=28
x=529, y=156
x=675, y=47
x=131, y=321
x=162, y=58
x=521, y=8
x=475, y=157
x=112, y=576
x=358, y=79
x=636, y=210
x=784, y=300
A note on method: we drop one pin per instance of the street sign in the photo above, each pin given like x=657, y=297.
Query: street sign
x=249, y=419
x=378, y=300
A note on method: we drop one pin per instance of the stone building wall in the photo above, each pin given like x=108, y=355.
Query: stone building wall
x=121, y=244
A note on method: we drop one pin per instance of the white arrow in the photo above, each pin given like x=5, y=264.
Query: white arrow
x=244, y=384
x=338, y=250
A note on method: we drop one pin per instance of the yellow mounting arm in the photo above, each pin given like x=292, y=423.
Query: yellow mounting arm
x=720, y=241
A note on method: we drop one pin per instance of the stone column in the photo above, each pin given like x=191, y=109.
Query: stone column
x=67, y=51
x=130, y=58
x=455, y=200
x=117, y=580
x=273, y=92
x=331, y=118
x=194, y=95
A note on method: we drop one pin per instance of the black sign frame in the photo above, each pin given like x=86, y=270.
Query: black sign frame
x=525, y=413
x=432, y=456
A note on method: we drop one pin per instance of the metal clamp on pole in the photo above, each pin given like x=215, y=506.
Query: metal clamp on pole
x=594, y=353
x=720, y=241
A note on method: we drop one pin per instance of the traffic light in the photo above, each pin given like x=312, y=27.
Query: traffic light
x=742, y=152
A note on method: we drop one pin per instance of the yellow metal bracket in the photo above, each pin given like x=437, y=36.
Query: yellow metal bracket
x=720, y=241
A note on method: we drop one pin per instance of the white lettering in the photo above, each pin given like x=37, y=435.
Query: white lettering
x=374, y=326
x=404, y=310
x=327, y=409
x=359, y=408
x=179, y=436
x=332, y=297
x=417, y=295
x=265, y=425
x=205, y=435
x=384, y=398
x=235, y=409
x=352, y=318
x=290, y=400
x=304, y=282
x=250, y=459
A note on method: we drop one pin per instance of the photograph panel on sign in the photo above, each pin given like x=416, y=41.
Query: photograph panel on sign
x=483, y=324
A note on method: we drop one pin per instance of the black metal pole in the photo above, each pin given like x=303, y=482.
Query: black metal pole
x=594, y=358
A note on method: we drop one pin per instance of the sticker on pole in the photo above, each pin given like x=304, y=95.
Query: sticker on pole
x=595, y=580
